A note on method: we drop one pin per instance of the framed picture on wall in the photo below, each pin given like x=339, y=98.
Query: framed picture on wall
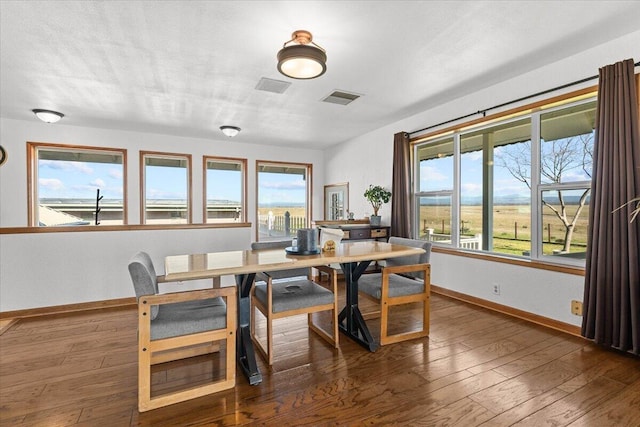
x=336, y=201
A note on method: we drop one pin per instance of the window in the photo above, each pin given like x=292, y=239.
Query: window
x=166, y=188
x=225, y=189
x=476, y=189
x=69, y=184
x=435, y=190
x=284, y=194
x=566, y=160
x=503, y=153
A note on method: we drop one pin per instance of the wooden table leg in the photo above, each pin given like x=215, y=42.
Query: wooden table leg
x=350, y=319
x=246, y=355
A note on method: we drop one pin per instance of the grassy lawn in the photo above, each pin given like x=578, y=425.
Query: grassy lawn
x=511, y=227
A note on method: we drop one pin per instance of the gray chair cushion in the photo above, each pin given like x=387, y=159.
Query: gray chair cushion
x=412, y=259
x=294, y=294
x=144, y=278
x=371, y=284
x=189, y=317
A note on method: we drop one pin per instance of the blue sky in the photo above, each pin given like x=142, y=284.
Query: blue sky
x=66, y=179
x=437, y=174
x=281, y=188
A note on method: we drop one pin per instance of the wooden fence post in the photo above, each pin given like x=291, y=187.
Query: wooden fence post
x=287, y=223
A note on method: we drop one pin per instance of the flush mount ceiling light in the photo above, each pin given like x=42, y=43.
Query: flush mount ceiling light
x=302, y=58
x=47, y=116
x=230, y=131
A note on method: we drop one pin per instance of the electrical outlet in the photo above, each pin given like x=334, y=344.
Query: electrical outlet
x=576, y=307
x=496, y=289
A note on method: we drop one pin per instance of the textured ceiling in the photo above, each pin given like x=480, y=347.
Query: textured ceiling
x=188, y=67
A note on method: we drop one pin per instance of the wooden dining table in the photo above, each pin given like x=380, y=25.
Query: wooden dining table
x=353, y=257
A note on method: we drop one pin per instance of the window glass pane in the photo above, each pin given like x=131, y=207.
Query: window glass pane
x=68, y=181
x=166, y=189
x=283, y=194
x=566, y=144
x=435, y=217
x=435, y=161
x=225, y=191
x=565, y=216
x=511, y=201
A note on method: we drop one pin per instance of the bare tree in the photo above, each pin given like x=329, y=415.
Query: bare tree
x=558, y=158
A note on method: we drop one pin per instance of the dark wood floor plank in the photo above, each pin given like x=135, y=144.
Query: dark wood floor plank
x=522, y=410
x=532, y=347
x=514, y=391
x=571, y=407
x=538, y=358
x=463, y=412
x=621, y=411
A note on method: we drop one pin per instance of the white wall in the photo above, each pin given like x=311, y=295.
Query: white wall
x=541, y=292
x=47, y=269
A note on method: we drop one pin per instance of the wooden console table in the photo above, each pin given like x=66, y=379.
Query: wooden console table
x=358, y=229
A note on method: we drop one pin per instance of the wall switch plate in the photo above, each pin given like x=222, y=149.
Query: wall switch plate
x=576, y=307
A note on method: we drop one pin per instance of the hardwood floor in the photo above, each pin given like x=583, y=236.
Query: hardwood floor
x=476, y=368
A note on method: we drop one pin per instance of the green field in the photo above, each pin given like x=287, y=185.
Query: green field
x=511, y=227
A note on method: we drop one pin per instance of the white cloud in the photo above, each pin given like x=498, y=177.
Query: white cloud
x=154, y=193
x=296, y=185
x=52, y=184
x=115, y=173
x=471, y=189
x=472, y=156
x=98, y=183
x=67, y=166
x=432, y=174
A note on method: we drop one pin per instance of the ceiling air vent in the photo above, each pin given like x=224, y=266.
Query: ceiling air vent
x=341, y=97
x=271, y=85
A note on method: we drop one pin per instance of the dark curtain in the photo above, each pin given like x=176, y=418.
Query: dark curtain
x=401, y=187
x=612, y=275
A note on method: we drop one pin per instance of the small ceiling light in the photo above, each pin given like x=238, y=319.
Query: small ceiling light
x=230, y=131
x=47, y=116
x=301, y=60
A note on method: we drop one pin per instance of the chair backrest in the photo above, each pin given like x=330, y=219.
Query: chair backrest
x=411, y=259
x=279, y=274
x=256, y=246
x=144, y=278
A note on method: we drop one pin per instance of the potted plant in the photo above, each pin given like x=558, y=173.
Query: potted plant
x=377, y=196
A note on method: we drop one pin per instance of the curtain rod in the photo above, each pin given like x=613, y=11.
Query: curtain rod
x=524, y=98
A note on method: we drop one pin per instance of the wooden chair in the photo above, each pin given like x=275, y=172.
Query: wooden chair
x=403, y=280
x=287, y=293
x=177, y=326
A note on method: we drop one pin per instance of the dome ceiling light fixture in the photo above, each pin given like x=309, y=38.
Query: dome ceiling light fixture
x=47, y=116
x=302, y=58
x=230, y=131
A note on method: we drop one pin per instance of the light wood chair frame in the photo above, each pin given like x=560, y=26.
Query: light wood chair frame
x=151, y=352
x=267, y=311
x=386, y=302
